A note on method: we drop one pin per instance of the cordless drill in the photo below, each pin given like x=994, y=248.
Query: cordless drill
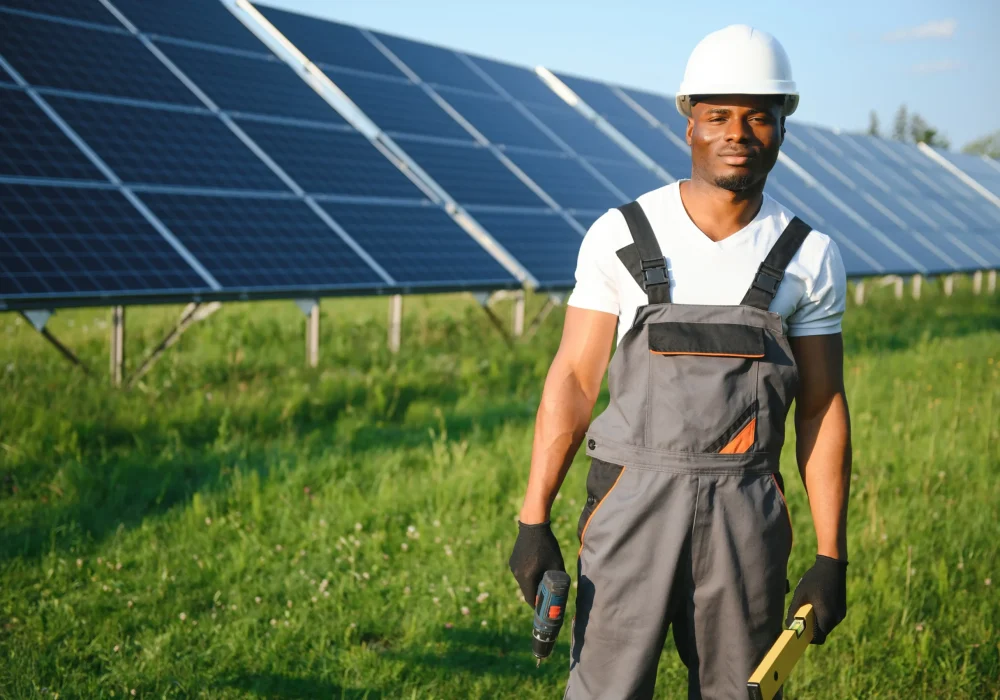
x=550, y=608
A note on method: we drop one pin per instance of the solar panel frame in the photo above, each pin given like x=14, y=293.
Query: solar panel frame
x=80, y=10
x=216, y=25
x=434, y=65
x=498, y=120
x=975, y=167
x=565, y=180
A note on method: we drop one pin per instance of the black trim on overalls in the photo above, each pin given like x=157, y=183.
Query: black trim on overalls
x=652, y=269
x=770, y=273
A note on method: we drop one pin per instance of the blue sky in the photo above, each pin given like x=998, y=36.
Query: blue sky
x=848, y=56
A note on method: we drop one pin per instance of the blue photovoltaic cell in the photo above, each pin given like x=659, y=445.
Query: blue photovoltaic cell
x=655, y=144
x=85, y=10
x=434, y=65
x=598, y=97
x=544, y=244
x=76, y=241
x=498, y=120
x=661, y=107
x=250, y=85
x=419, y=245
x=980, y=170
x=251, y=243
x=471, y=174
x=631, y=178
x=6, y=77
x=565, y=180
x=521, y=83
x=330, y=43
x=53, y=54
x=873, y=215
x=587, y=218
x=207, y=21
x=579, y=134
x=327, y=161
x=399, y=107
x=31, y=145
x=155, y=146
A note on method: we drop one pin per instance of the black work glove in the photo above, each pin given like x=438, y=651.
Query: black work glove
x=535, y=552
x=825, y=587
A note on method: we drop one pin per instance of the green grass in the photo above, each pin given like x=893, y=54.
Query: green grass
x=241, y=526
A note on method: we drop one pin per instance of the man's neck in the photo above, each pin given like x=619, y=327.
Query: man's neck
x=719, y=213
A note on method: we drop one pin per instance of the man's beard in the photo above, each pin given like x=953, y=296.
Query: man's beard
x=736, y=183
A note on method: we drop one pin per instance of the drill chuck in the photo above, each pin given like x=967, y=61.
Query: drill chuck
x=550, y=609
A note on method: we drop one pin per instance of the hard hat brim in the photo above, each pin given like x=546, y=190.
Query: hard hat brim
x=683, y=102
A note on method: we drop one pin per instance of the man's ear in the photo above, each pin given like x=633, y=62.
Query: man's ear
x=782, y=131
x=690, y=128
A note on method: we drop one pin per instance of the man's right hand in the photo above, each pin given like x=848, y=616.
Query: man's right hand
x=535, y=552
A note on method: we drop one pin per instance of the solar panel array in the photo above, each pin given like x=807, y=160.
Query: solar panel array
x=160, y=151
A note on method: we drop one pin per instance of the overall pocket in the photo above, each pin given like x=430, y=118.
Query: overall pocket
x=601, y=478
x=703, y=386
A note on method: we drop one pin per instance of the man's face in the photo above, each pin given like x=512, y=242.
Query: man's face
x=735, y=139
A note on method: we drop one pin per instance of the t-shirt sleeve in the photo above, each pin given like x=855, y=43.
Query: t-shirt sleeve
x=825, y=298
x=596, y=287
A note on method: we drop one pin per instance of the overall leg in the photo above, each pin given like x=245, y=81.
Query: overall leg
x=631, y=550
x=741, y=539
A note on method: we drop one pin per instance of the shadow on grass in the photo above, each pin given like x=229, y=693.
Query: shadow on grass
x=272, y=685
x=481, y=652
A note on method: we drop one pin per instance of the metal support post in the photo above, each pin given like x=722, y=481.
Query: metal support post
x=117, y=345
x=859, y=292
x=917, y=282
x=38, y=319
x=312, y=336
x=484, y=303
x=536, y=323
x=519, y=314
x=949, y=285
x=192, y=313
x=395, y=322
x=991, y=281
x=977, y=282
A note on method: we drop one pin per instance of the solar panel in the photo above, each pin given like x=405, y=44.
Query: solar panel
x=399, y=107
x=207, y=21
x=63, y=241
x=655, y=144
x=419, y=246
x=587, y=219
x=32, y=146
x=434, y=65
x=83, y=10
x=498, y=120
x=598, y=96
x=251, y=85
x=252, y=243
x=544, y=243
x=329, y=43
x=145, y=145
x=471, y=174
x=108, y=62
x=565, y=180
x=661, y=108
x=522, y=84
x=578, y=133
x=979, y=169
x=329, y=161
x=632, y=179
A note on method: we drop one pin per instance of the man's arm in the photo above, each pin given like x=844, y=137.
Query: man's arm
x=823, y=438
x=823, y=450
x=568, y=397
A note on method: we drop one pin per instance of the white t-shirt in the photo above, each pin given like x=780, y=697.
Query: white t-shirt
x=810, y=300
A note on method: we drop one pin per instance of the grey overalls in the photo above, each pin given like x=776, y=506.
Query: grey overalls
x=685, y=521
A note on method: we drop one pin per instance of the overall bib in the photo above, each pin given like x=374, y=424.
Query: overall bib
x=685, y=522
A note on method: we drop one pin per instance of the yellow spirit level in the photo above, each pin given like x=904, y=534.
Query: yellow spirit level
x=773, y=671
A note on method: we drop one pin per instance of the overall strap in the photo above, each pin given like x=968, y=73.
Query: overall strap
x=652, y=264
x=772, y=270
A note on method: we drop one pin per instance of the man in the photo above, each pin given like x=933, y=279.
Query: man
x=728, y=308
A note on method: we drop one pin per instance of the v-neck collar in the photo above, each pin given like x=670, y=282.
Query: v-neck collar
x=691, y=230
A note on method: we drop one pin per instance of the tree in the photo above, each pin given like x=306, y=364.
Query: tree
x=921, y=131
x=873, y=124
x=899, y=125
x=988, y=145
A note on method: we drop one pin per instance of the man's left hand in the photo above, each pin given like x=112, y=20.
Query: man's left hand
x=825, y=587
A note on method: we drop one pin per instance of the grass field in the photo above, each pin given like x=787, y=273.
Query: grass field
x=241, y=526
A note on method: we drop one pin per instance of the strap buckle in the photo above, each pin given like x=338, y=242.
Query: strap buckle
x=768, y=278
x=654, y=272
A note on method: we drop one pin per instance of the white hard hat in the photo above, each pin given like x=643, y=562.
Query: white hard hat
x=738, y=60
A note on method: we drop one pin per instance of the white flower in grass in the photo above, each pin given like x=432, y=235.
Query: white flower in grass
x=406, y=590
x=436, y=601
x=289, y=603
x=357, y=527
x=481, y=598
x=183, y=616
x=988, y=581
x=257, y=600
x=437, y=523
x=404, y=546
x=465, y=610
x=273, y=622
x=79, y=563
x=117, y=648
x=483, y=623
